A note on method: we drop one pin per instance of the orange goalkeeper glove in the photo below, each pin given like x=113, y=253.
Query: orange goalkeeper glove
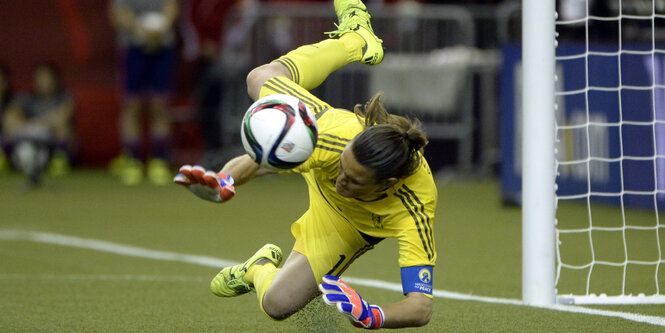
x=206, y=184
x=348, y=302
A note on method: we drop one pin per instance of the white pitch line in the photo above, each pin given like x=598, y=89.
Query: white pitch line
x=102, y=277
x=133, y=251
x=436, y=292
x=110, y=247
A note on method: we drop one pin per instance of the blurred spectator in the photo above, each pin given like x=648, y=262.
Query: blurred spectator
x=146, y=35
x=204, y=23
x=37, y=126
x=5, y=98
x=465, y=2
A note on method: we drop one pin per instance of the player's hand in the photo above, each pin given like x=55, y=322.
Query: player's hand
x=206, y=184
x=337, y=293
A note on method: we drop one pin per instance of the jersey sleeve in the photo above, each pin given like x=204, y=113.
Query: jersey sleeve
x=416, y=239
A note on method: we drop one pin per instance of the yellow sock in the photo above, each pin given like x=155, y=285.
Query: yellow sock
x=261, y=276
x=311, y=64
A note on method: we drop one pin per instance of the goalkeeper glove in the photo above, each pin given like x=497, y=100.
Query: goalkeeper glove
x=207, y=185
x=337, y=293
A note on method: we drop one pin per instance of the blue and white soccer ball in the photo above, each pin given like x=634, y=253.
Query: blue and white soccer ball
x=279, y=132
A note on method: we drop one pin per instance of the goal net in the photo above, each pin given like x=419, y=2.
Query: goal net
x=610, y=151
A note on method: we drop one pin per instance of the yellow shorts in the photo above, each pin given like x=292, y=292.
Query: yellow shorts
x=329, y=242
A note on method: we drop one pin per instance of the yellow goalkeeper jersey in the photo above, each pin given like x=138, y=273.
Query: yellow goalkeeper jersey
x=405, y=211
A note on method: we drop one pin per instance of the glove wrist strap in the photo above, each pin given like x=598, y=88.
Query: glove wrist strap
x=227, y=178
x=378, y=315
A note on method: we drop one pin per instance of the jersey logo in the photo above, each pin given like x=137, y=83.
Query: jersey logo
x=424, y=276
x=417, y=279
x=378, y=221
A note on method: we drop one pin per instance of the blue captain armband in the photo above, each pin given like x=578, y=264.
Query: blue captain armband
x=417, y=279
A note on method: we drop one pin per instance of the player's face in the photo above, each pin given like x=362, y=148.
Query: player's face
x=355, y=180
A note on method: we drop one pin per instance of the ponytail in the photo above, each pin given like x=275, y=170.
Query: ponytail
x=392, y=145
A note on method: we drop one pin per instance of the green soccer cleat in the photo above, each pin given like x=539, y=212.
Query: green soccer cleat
x=353, y=17
x=230, y=281
x=159, y=172
x=131, y=173
x=117, y=164
x=59, y=165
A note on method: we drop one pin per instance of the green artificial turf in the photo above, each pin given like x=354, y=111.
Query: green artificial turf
x=47, y=287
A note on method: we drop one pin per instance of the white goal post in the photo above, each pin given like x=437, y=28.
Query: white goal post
x=617, y=157
x=538, y=172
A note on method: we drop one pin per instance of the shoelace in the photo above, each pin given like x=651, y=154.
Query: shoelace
x=348, y=23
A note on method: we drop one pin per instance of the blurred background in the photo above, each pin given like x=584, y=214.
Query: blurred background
x=141, y=87
x=176, y=96
x=98, y=94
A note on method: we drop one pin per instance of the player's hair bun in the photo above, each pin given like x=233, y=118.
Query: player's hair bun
x=392, y=145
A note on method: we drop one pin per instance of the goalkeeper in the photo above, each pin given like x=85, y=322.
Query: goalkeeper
x=367, y=181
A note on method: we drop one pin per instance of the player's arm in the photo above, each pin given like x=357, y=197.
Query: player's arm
x=417, y=258
x=243, y=169
x=414, y=310
x=219, y=186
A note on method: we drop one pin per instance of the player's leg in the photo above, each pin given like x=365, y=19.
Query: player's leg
x=131, y=169
x=157, y=168
x=310, y=65
x=160, y=77
x=130, y=125
x=128, y=166
x=232, y=281
x=321, y=248
x=283, y=292
x=259, y=75
x=160, y=126
x=63, y=136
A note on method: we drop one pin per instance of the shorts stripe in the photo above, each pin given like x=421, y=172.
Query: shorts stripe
x=416, y=218
x=320, y=114
x=307, y=99
x=284, y=89
x=353, y=258
x=317, y=107
x=275, y=89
